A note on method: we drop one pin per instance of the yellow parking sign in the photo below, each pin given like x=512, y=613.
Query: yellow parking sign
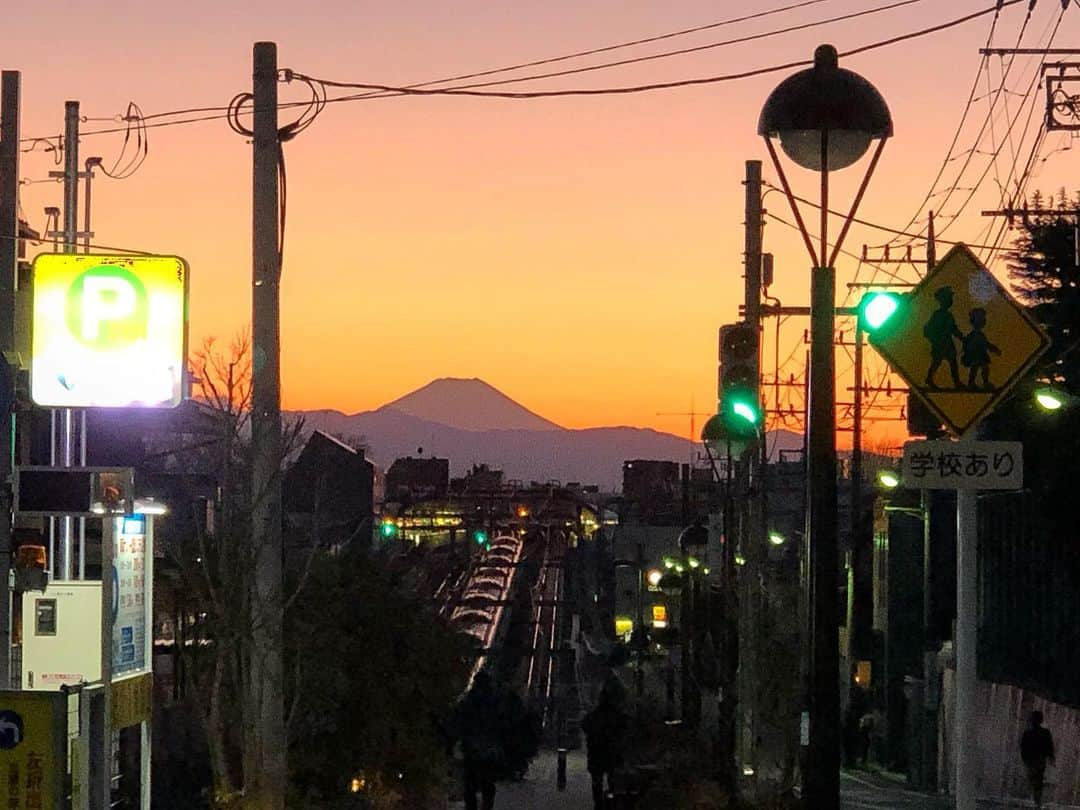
x=108, y=331
x=33, y=735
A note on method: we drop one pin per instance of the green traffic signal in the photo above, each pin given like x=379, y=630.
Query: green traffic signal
x=480, y=536
x=741, y=414
x=388, y=529
x=745, y=411
x=877, y=310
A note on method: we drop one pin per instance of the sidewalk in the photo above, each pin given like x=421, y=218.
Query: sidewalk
x=538, y=790
x=867, y=790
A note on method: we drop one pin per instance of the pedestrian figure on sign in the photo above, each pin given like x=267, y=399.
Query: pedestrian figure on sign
x=1036, y=750
x=605, y=730
x=478, y=724
x=940, y=330
x=977, y=350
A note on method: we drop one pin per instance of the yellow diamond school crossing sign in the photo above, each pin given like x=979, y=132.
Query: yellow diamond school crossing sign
x=109, y=331
x=961, y=340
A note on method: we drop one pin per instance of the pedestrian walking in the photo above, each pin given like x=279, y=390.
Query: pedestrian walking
x=478, y=724
x=1037, y=751
x=867, y=726
x=605, y=730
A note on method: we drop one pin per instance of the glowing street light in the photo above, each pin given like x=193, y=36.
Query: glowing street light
x=889, y=479
x=1049, y=400
x=777, y=539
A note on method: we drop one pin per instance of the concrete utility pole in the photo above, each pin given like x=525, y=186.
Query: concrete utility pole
x=66, y=568
x=752, y=534
x=9, y=253
x=266, y=671
x=967, y=609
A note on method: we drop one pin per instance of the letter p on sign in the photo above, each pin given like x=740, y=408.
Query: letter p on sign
x=107, y=308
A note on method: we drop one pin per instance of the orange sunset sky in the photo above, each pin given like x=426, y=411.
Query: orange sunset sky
x=577, y=253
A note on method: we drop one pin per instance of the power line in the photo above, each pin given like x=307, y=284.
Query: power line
x=630, y=44
x=218, y=113
x=987, y=122
x=109, y=248
x=385, y=91
x=1012, y=125
x=875, y=225
x=668, y=54
x=959, y=129
x=600, y=91
x=891, y=274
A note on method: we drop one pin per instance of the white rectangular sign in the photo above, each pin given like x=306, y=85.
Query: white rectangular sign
x=129, y=596
x=965, y=464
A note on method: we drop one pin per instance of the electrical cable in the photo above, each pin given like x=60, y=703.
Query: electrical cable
x=142, y=146
x=969, y=154
x=953, y=217
x=891, y=274
x=680, y=52
x=869, y=224
x=596, y=91
x=109, y=248
x=384, y=91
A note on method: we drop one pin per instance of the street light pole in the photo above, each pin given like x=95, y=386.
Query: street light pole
x=825, y=119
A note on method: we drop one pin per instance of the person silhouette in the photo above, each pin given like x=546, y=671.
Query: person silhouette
x=1037, y=751
x=977, y=349
x=940, y=331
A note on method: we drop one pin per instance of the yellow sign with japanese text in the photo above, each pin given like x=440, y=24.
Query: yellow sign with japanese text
x=962, y=341
x=33, y=736
x=109, y=331
x=132, y=701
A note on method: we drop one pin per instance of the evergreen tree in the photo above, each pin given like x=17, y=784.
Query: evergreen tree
x=1045, y=271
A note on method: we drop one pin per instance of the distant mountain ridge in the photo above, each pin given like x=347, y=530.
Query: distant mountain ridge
x=524, y=445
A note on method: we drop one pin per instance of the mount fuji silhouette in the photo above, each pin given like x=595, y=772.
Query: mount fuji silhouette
x=470, y=422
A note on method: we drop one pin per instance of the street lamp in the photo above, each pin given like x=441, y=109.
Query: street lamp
x=825, y=118
x=777, y=539
x=1049, y=399
x=888, y=479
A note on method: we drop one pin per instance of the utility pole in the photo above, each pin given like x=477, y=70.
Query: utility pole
x=268, y=760
x=752, y=534
x=66, y=568
x=9, y=252
x=860, y=594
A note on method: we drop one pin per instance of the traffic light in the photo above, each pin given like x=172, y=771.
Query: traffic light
x=388, y=529
x=740, y=405
x=880, y=312
x=480, y=536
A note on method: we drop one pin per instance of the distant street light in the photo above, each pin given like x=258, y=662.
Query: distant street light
x=1049, y=400
x=889, y=479
x=654, y=576
x=777, y=539
x=825, y=118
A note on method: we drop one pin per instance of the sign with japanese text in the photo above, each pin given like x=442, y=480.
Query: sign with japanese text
x=109, y=331
x=962, y=341
x=33, y=735
x=132, y=700
x=129, y=596
x=963, y=465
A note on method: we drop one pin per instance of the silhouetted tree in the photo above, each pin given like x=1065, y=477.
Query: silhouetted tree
x=1045, y=273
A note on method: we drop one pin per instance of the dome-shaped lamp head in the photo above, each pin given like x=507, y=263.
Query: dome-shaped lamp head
x=825, y=117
